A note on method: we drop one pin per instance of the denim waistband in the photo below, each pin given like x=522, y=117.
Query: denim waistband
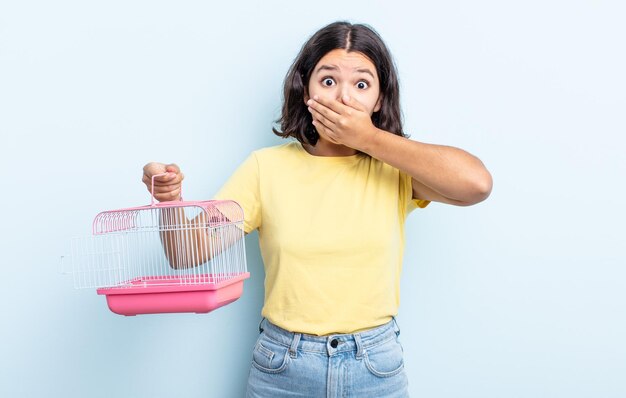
x=332, y=343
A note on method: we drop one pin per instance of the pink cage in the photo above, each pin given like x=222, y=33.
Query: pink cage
x=167, y=257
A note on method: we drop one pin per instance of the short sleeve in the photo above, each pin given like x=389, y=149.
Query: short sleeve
x=243, y=187
x=406, y=194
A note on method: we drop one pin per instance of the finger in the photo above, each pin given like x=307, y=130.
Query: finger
x=328, y=127
x=353, y=103
x=167, y=191
x=162, y=187
x=170, y=178
x=332, y=104
x=321, y=118
x=165, y=178
x=153, y=168
x=166, y=188
x=147, y=179
x=162, y=196
x=324, y=132
x=173, y=167
x=168, y=196
x=173, y=173
x=322, y=109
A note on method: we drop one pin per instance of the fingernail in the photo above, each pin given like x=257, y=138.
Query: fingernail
x=309, y=102
x=316, y=97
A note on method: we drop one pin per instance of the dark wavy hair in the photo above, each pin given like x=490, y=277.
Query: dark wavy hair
x=296, y=121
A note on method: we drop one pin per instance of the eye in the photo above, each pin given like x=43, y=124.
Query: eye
x=362, y=85
x=328, y=82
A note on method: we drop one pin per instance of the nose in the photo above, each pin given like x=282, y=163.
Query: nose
x=344, y=89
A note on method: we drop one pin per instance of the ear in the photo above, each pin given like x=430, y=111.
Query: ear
x=379, y=103
x=306, y=95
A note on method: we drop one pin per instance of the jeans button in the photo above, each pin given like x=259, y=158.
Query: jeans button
x=334, y=343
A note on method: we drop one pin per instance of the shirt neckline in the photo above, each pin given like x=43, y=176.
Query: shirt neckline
x=328, y=159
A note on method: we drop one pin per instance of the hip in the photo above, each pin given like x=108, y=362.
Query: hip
x=368, y=363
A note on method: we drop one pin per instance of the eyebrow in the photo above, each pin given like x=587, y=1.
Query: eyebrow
x=365, y=70
x=335, y=68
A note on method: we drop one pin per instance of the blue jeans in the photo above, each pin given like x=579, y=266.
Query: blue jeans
x=367, y=364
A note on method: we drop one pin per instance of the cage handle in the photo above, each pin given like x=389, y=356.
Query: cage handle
x=152, y=203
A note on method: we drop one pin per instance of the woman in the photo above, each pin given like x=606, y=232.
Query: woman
x=330, y=209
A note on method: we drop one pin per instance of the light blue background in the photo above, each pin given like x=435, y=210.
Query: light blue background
x=521, y=296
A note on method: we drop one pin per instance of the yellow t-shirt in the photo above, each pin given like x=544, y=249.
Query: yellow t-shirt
x=331, y=232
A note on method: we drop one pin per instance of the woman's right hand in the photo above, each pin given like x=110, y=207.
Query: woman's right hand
x=166, y=187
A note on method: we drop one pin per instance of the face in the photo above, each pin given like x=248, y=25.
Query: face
x=341, y=73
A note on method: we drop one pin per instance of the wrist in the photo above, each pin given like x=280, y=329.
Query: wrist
x=372, y=140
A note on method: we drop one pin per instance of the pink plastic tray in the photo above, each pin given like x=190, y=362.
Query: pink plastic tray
x=158, y=295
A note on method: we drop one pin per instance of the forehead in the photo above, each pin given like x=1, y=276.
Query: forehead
x=346, y=60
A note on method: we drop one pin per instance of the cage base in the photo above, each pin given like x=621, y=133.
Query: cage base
x=159, y=299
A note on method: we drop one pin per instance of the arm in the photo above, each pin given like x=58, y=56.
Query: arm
x=439, y=173
x=187, y=243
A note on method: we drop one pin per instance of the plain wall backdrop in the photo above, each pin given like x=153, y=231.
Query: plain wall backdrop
x=521, y=296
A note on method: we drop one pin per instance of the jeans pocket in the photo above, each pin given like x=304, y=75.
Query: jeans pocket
x=384, y=360
x=269, y=356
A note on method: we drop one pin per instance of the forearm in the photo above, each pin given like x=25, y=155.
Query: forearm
x=189, y=243
x=452, y=172
x=185, y=245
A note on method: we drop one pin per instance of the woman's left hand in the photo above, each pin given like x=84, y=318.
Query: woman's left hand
x=344, y=122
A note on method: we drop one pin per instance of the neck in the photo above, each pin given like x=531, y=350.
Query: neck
x=327, y=148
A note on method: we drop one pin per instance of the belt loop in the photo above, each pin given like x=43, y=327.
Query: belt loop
x=396, y=327
x=293, y=349
x=359, y=346
x=260, y=325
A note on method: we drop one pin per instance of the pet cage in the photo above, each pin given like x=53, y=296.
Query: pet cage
x=164, y=257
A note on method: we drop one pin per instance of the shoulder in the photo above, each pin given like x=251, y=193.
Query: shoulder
x=381, y=169
x=283, y=152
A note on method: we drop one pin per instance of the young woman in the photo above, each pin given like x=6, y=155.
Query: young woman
x=330, y=208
